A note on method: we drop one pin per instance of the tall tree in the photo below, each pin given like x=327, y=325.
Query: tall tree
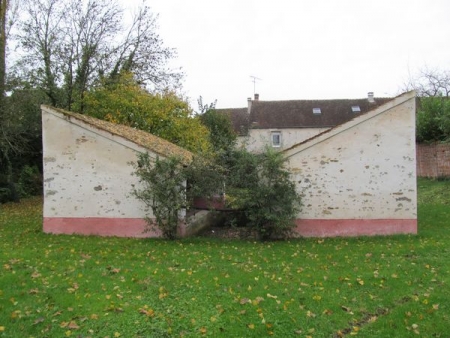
x=165, y=114
x=433, y=111
x=68, y=46
x=40, y=38
x=9, y=138
x=430, y=82
x=221, y=133
x=3, y=10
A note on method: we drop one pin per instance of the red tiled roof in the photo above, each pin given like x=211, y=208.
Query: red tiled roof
x=298, y=113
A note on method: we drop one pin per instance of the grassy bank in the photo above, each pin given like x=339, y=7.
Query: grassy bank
x=56, y=286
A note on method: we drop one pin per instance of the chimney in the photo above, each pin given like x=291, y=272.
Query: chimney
x=256, y=97
x=370, y=97
x=249, y=104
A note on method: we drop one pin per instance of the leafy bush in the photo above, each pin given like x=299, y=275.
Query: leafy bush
x=30, y=181
x=260, y=187
x=164, y=191
x=257, y=187
x=221, y=133
x=433, y=120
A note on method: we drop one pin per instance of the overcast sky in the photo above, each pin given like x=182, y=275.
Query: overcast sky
x=303, y=49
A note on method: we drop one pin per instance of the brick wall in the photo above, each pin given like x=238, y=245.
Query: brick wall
x=433, y=160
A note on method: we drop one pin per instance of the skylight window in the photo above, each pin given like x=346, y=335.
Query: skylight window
x=317, y=111
x=276, y=139
x=356, y=109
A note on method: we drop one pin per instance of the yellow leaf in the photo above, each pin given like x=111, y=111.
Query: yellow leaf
x=35, y=275
x=116, y=334
x=72, y=325
x=251, y=326
x=203, y=330
x=2, y=328
x=372, y=319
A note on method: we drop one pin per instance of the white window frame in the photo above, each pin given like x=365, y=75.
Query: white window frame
x=272, y=137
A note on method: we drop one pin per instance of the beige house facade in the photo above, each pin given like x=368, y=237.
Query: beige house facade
x=283, y=124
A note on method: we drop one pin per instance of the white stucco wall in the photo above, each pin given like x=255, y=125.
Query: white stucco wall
x=364, y=169
x=257, y=139
x=87, y=171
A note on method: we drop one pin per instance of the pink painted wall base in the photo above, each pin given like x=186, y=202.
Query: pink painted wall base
x=120, y=227
x=354, y=227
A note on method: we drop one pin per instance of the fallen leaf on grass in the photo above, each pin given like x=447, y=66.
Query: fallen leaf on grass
x=310, y=314
x=347, y=309
x=35, y=275
x=149, y=312
x=72, y=325
x=39, y=320
x=372, y=319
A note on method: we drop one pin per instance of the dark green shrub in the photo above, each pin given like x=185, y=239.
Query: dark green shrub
x=257, y=187
x=433, y=120
x=163, y=191
x=30, y=181
x=260, y=187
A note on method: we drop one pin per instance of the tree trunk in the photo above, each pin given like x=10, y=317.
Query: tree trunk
x=3, y=10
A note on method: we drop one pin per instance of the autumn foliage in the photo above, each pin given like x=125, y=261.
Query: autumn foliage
x=165, y=115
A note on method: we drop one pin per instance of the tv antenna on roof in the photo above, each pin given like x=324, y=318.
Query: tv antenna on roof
x=254, y=79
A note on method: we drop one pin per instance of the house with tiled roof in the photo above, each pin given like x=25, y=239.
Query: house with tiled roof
x=282, y=124
x=353, y=161
x=88, y=176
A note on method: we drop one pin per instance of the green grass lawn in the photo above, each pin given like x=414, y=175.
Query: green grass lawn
x=61, y=286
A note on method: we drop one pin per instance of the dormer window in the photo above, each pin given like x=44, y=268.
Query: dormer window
x=317, y=111
x=276, y=139
x=356, y=109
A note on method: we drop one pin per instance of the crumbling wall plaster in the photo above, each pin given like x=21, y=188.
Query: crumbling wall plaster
x=363, y=171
